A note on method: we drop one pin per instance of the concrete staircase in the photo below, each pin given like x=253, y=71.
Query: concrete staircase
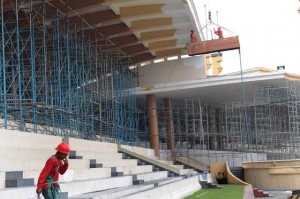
x=97, y=170
x=163, y=188
x=131, y=152
x=260, y=193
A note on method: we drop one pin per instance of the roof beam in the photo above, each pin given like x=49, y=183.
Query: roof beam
x=140, y=10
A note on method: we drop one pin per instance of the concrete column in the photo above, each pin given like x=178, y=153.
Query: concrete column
x=152, y=123
x=169, y=126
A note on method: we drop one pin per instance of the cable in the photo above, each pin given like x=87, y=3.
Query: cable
x=246, y=117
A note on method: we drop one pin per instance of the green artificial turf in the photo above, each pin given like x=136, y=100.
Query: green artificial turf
x=226, y=192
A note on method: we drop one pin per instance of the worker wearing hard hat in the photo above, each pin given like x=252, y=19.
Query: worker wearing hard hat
x=55, y=165
x=219, y=32
x=193, y=37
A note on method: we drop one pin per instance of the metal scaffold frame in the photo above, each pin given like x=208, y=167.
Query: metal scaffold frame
x=54, y=79
x=269, y=126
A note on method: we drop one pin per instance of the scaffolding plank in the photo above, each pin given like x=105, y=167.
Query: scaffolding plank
x=204, y=47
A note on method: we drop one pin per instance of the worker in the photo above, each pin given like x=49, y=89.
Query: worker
x=193, y=36
x=219, y=32
x=55, y=165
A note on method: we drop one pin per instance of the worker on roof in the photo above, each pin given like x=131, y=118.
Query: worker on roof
x=219, y=32
x=55, y=165
x=193, y=36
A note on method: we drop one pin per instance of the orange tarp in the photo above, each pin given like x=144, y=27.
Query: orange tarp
x=217, y=45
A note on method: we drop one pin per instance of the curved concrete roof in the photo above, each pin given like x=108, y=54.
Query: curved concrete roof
x=227, y=88
x=141, y=29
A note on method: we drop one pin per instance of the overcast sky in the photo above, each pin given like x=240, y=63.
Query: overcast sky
x=269, y=31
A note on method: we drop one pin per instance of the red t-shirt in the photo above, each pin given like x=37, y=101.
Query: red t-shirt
x=50, y=169
x=193, y=37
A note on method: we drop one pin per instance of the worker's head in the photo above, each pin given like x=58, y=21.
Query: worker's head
x=63, y=150
x=192, y=31
x=60, y=155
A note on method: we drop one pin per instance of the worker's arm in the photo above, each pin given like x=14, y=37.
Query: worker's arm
x=45, y=172
x=64, y=166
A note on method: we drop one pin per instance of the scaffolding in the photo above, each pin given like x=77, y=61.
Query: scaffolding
x=268, y=126
x=65, y=79
x=56, y=78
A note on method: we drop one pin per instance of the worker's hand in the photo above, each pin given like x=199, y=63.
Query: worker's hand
x=65, y=161
x=38, y=191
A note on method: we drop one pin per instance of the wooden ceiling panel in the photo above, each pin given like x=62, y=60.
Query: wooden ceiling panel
x=150, y=23
x=95, y=18
x=162, y=44
x=125, y=40
x=142, y=57
x=130, y=50
x=140, y=10
x=142, y=29
x=113, y=29
x=79, y=4
x=170, y=52
x=157, y=34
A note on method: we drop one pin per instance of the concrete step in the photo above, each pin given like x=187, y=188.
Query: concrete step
x=171, y=163
x=164, y=181
x=127, y=170
x=16, y=179
x=120, y=192
x=63, y=195
x=25, y=140
x=175, y=190
x=92, y=146
x=179, y=166
x=119, y=163
x=26, y=153
x=99, y=155
x=114, y=193
x=94, y=173
x=150, y=176
x=19, y=183
x=186, y=171
x=167, y=162
x=73, y=155
x=94, y=164
x=27, y=164
x=73, y=188
x=70, y=175
x=76, y=174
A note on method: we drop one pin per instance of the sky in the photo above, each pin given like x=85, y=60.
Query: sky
x=268, y=30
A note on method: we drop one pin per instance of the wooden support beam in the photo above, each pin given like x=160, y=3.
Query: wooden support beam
x=217, y=45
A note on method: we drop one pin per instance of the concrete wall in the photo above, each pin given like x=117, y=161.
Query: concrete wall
x=273, y=175
x=216, y=168
x=231, y=178
x=222, y=167
x=192, y=68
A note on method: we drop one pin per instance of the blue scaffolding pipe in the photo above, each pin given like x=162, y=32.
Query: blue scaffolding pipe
x=33, y=71
x=3, y=67
x=56, y=80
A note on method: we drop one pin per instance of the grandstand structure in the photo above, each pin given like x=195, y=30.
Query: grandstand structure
x=118, y=71
x=73, y=68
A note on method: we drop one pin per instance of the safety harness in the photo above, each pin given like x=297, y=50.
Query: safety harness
x=52, y=192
